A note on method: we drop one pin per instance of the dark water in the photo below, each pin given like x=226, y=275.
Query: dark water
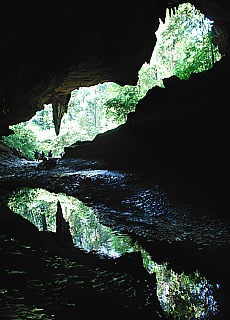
x=106, y=233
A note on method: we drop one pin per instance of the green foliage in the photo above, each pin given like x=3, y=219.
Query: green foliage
x=203, y=60
x=86, y=118
x=184, y=46
x=43, y=119
x=182, y=296
x=148, y=78
x=39, y=207
x=185, y=296
x=33, y=204
x=125, y=102
x=23, y=138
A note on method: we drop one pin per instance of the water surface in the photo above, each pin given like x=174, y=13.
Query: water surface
x=182, y=296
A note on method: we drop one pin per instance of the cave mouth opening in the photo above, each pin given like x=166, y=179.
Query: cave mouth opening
x=186, y=44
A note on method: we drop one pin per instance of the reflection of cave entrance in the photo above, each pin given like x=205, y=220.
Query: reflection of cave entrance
x=178, y=293
x=184, y=46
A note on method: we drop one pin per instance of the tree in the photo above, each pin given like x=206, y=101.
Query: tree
x=184, y=44
x=23, y=138
x=124, y=103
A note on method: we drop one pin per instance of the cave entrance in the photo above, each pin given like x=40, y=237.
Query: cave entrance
x=185, y=45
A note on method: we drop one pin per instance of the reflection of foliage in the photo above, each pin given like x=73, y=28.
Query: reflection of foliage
x=33, y=204
x=87, y=232
x=186, y=296
x=182, y=296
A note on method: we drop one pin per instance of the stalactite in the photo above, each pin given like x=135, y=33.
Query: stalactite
x=60, y=107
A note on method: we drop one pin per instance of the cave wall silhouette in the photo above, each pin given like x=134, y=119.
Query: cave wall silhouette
x=50, y=48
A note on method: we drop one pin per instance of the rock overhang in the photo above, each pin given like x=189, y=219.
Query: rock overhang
x=50, y=48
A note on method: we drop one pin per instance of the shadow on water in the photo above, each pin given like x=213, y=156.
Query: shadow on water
x=181, y=296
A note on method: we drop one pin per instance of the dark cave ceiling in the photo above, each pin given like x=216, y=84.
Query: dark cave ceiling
x=49, y=48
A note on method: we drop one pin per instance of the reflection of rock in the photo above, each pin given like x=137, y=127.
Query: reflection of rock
x=13, y=225
x=132, y=263
x=44, y=223
x=64, y=237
